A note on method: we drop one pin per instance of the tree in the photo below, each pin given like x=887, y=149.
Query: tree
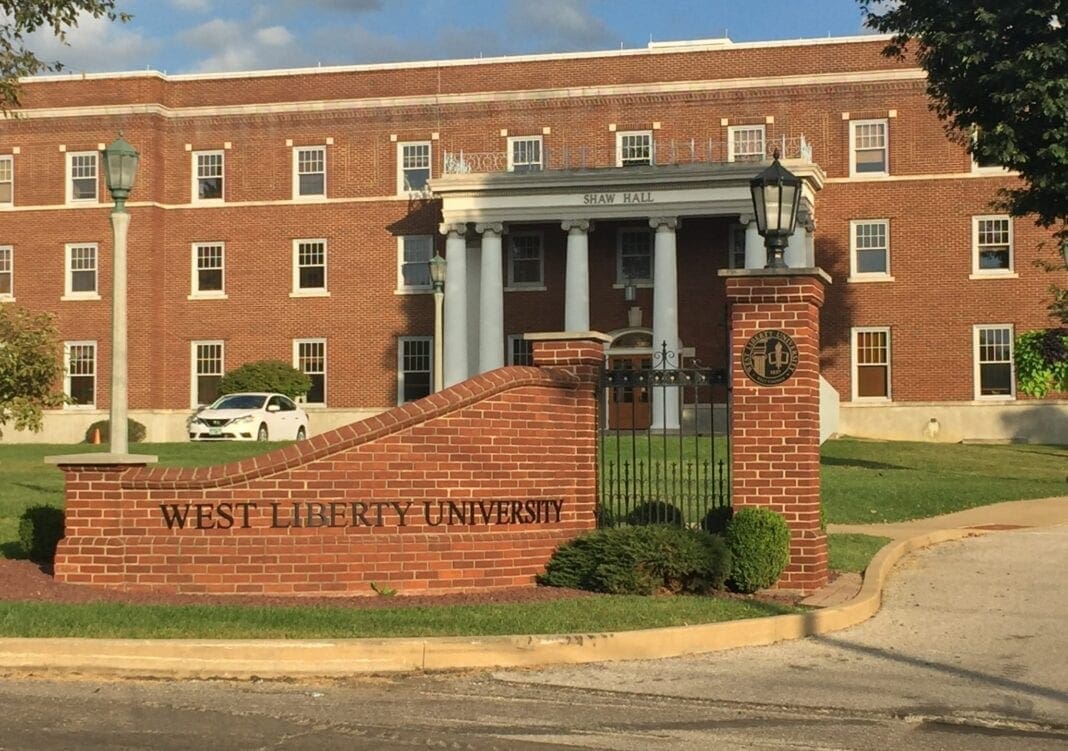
x=22, y=17
x=30, y=367
x=266, y=375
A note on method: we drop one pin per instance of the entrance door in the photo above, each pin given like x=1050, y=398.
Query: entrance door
x=628, y=406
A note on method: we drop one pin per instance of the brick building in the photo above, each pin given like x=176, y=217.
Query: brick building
x=290, y=215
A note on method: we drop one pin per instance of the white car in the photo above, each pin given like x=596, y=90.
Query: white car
x=250, y=417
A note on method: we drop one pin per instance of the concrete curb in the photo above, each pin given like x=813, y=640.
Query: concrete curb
x=276, y=658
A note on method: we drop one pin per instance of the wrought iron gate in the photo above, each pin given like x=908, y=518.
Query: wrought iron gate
x=654, y=468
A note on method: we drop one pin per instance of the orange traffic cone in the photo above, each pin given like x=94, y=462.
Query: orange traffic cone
x=96, y=436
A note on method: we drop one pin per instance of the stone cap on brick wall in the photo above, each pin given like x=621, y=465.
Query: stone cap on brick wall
x=567, y=336
x=101, y=459
x=806, y=271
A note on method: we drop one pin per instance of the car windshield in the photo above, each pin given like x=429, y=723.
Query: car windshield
x=240, y=401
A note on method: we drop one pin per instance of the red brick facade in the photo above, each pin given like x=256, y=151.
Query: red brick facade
x=359, y=115
x=471, y=488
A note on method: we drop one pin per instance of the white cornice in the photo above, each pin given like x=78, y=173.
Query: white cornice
x=334, y=105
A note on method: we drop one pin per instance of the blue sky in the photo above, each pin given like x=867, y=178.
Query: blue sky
x=193, y=36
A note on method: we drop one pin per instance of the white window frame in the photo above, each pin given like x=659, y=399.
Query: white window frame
x=401, y=146
x=7, y=268
x=624, y=134
x=736, y=242
x=528, y=166
x=513, y=340
x=299, y=291
x=855, y=274
x=195, y=172
x=68, y=273
x=70, y=156
x=297, y=195
x=196, y=293
x=401, y=341
x=978, y=362
x=9, y=160
x=621, y=280
x=732, y=141
x=510, y=260
x=298, y=364
x=194, y=362
x=853, y=126
x=980, y=273
x=67, y=346
x=855, y=364
x=402, y=287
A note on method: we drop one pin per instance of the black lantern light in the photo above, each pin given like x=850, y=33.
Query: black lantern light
x=776, y=197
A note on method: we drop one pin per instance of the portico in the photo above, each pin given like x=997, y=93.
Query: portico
x=479, y=209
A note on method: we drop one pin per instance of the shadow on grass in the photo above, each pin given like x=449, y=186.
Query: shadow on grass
x=38, y=488
x=12, y=551
x=834, y=461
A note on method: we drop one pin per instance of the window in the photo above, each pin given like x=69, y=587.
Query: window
x=309, y=357
x=634, y=256
x=993, y=362
x=871, y=364
x=868, y=148
x=524, y=154
x=208, y=176
x=82, y=176
x=524, y=260
x=208, y=270
x=413, y=257
x=79, y=383
x=7, y=180
x=992, y=244
x=870, y=246
x=413, y=164
x=634, y=148
x=979, y=162
x=736, y=246
x=309, y=171
x=81, y=272
x=745, y=143
x=7, y=273
x=207, y=371
x=309, y=267
x=520, y=351
x=414, y=376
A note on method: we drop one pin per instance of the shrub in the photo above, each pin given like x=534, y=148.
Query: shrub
x=759, y=541
x=40, y=530
x=640, y=560
x=715, y=521
x=266, y=375
x=135, y=431
x=655, y=512
x=605, y=516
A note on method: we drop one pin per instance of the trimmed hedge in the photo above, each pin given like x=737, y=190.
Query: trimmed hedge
x=759, y=541
x=640, y=560
x=266, y=375
x=40, y=530
x=135, y=431
x=655, y=512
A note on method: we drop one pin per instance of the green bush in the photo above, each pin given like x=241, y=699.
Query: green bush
x=759, y=541
x=640, y=560
x=655, y=512
x=715, y=521
x=605, y=516
x=40, y=530
x=135, y=431
x=266, y=375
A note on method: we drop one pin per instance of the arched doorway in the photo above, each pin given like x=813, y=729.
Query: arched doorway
x=630, y=406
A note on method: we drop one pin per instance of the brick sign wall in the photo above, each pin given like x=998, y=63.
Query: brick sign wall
x=470, y=488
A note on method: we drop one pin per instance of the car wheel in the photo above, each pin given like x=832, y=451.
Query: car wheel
x=261, y=435
x=301, y=433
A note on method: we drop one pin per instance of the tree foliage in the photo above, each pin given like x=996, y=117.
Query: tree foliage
x=22, y=17
x=1002, y=68
x=30, y=367
x=266, y=375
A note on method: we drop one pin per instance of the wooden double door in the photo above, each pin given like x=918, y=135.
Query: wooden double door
x=630, y=407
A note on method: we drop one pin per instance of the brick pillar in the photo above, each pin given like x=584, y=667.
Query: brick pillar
x=775, y=431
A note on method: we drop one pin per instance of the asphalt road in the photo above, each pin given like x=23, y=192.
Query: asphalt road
x=969, y=652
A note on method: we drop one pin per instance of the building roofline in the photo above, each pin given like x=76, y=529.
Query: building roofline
x=654, y=48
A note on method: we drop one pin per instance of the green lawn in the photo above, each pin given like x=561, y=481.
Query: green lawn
x=853, y=552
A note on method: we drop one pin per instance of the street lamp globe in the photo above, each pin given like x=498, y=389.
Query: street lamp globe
x=437, y=271
x=776, y=196
x=120, y=170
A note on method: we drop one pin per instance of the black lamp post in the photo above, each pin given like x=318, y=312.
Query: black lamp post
x=776, y=197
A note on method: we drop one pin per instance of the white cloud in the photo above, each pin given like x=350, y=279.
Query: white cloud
x=196, y=6
x=233, y=46
x=560, y=25
x=274, y=36
x=94, y=45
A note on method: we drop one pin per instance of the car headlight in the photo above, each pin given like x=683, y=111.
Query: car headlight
x=193, y=421
x=243, y=419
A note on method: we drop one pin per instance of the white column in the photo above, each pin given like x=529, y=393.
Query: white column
x=794, y=255
x=491, y=299
x=119, y=441
x=577, y=282
x=455, y=353
x=756, y=256
x=810, y=243
x=665, y=318
x=474, y=285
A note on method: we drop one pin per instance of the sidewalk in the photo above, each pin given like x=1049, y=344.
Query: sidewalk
x=846, y=602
